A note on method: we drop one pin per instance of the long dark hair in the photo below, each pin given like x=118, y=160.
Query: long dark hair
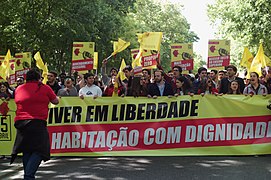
x=230, y=91
x=33, y=75
x=187, y=86
x=204, y=83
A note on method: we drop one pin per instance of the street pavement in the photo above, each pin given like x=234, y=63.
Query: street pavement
x=141, y=168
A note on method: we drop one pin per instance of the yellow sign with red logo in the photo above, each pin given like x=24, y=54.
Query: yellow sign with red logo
x=182, y=55
x=218, y=53
x=22, y=63
x=1, y=61
x=82, y=56
x=12, y=79
x=149, y=58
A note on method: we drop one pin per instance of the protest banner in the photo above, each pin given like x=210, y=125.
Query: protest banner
x=11, y=69
x=149, y=58
x=22, y=64
x=183, y=125
x=182, y=55
x=1, y=61
x=218, y=54
x=82, y=56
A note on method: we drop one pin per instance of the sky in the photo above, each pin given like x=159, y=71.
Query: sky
x=195, y=11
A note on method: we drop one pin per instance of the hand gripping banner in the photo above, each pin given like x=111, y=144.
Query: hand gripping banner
x=177, y=126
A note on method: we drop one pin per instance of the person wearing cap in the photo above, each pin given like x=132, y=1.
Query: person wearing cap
x=20, y=81
x=52, y=82
x=69, y=89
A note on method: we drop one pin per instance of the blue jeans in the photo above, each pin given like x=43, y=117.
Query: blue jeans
x=31, y=162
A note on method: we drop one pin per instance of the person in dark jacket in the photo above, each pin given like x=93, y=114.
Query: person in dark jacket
x=184, y=87
x=202, y=73
x=159, y=87
x=225, y=82
x=52, y=82
x=32, y=138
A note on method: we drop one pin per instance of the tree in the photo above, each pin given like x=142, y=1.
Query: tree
x=167, y=18
x=51, y=26
x=244, y=22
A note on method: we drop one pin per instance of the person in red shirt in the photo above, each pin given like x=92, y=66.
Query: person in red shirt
x=110, y=88
x=32, y=138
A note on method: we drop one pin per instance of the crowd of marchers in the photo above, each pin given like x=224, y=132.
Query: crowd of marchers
x=152, y=83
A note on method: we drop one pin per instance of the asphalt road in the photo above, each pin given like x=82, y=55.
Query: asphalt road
x=140, y=168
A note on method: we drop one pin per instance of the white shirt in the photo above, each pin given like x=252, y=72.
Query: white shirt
x=89, y=91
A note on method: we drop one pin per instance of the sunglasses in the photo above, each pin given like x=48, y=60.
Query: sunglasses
x=68, y=79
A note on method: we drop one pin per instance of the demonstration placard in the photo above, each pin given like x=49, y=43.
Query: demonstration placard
x=22, y=64
x=82, y=56
x=149, y=58
x=12, y=78
x=218, y=53
x=1, y=61
x=182, y=55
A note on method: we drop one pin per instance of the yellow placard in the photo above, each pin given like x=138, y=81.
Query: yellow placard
x=1, y=61
x=150, y=40
x=22, y=63
x=218, y=53
x=182, y=55
x=82, y=56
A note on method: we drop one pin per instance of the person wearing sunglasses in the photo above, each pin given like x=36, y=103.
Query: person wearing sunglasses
x=207, y=86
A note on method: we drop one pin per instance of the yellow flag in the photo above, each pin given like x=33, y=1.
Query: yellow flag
x=150, y=40
x=246, y=58
x=39, y=61
x=120, y=46
x=137, y=61
x=115, y=46
x=120, y=75
x=95, y=62
x=45, y=73
x=260, y=61
x=4, y=68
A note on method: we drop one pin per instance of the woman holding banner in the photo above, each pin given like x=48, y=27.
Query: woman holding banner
x=32, y=139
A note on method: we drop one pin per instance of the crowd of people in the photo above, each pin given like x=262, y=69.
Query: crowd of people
x=152, y=83
x=32, y=97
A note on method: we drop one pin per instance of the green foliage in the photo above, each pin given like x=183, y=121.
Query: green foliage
x=245, y=22
x=166, y=18
x=51, y=26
